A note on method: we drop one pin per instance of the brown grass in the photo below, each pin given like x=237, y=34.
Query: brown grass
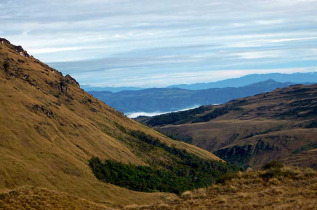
x=41, y=199
x=250, y=191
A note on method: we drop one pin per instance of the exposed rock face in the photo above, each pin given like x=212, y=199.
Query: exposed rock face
x=63, y=84
x=19, y=49
x=22, y=52
x=63, y=88
x=4, y=41
x=42, y=109
x=242, y=154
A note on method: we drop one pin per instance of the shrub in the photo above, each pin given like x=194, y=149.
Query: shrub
x=273, y=164
x=272, y=173
x=273, y=170
x=139, y=178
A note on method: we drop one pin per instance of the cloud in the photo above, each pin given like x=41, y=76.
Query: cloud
x=110, y=42
x=167, y=79
x=269, y=22
x=259, y=54
x=151, y=114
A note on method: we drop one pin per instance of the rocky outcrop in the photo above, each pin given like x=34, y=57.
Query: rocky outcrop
x=21, y=51
x=18, y=49
x=63, y=87
x=42, y=109
x=4, y=41
x=70, y=80
x=63, y=84
x=242, y=154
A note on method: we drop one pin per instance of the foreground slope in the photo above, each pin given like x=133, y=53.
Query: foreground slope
x=281, y=124
x=290, y=188
x=41, y=199
x=50, y=128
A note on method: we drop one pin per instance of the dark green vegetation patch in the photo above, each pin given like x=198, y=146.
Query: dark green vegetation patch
x=189, y=172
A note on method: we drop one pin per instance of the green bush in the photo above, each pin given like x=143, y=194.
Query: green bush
x=139, y=178
x=187, y=171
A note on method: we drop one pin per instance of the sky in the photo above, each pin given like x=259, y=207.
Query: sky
x=148, y=43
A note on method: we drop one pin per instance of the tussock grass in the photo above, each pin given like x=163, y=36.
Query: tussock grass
x=250, y=190
x=42, y=199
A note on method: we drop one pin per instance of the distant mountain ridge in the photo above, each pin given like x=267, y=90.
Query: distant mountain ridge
x=296, y=78
x=109, y=89
x=173, y=99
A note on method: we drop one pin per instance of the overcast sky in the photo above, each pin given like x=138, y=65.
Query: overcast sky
x=150, y=43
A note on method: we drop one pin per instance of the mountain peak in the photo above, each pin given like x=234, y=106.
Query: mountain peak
x=270, y=83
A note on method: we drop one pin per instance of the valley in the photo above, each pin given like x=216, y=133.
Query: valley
x=158, y=105
x=62, y=148
x=250, y=131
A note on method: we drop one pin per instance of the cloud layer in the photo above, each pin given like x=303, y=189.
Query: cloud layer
x=157, y=43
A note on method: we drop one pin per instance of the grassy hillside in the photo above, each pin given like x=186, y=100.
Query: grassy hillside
x=50, y=128
x=291, y=189
x=281, y=124
x=270, y=188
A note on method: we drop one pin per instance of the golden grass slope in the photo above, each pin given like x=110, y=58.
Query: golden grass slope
x=50, y=128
